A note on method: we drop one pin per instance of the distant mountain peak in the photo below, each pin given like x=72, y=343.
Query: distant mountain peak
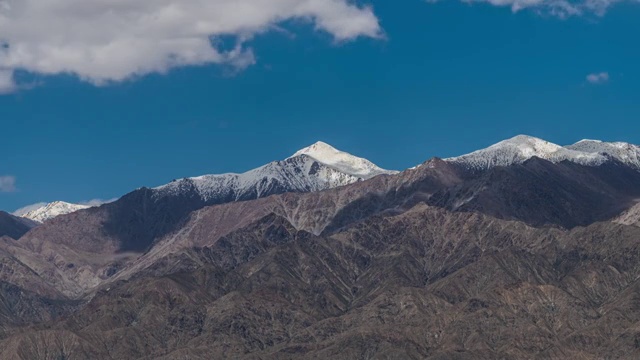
x=52, y=210
x=527, y=141
x=314, y=168
x=626, y=153
x=317, y=147
x=522, y=148
x=342, y=161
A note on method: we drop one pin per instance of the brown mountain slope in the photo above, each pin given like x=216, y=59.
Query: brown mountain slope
x=630, y=217
x=77, y=253
x=427, y=283
x=85, y=254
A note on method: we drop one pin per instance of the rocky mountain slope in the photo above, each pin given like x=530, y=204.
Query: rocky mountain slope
x=534, y=257
x=426, y=283
x=537, y=193
x=630, y=217
x=540, y=192
x=142, y=216
x=77, y=253
x=82, y=249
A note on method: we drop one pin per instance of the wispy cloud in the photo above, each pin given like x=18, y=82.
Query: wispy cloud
x=28, y=209
x=97, y=202
x=6, y=81
x=103, y=42
x=598, y=78
x=7, y=183
x=558, y=8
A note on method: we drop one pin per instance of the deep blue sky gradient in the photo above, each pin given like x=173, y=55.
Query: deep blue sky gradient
x=449, y=79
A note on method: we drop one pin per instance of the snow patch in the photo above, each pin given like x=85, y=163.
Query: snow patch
x=52, y=210
x=521, y=148
x=626, y=153
x=342, y=161
x=314, y=168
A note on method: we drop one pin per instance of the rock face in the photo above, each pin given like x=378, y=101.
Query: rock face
x=630, y=216
x=532, y=258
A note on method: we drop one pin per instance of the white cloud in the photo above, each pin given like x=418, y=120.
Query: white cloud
x=103, y=41
x=97, y=202
x=28, y=208
x=598, y=78
x=6, y=81
x=559, y=8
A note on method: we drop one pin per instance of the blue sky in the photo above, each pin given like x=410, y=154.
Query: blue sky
x=439, y=79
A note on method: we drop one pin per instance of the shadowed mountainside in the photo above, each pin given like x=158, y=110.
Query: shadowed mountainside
x=13, y=226
x=541, y=193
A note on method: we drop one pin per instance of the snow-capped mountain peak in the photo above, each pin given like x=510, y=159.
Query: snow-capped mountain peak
x=522, y=148
x=318, y=148
x=624, y=152
x=52, y=210
x=317, y=167
x=342, y=161
x=526, y=146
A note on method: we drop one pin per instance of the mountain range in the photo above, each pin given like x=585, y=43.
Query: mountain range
x=523, y=249
x=40, y=213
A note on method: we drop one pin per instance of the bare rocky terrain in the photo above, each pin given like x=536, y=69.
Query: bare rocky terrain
x=630, y=216
x=523, y=261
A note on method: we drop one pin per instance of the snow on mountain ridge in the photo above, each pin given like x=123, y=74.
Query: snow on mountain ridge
x=522, y=148
x=317, y=167
x=342, y=161
x=624, y=152
x=52, y=210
